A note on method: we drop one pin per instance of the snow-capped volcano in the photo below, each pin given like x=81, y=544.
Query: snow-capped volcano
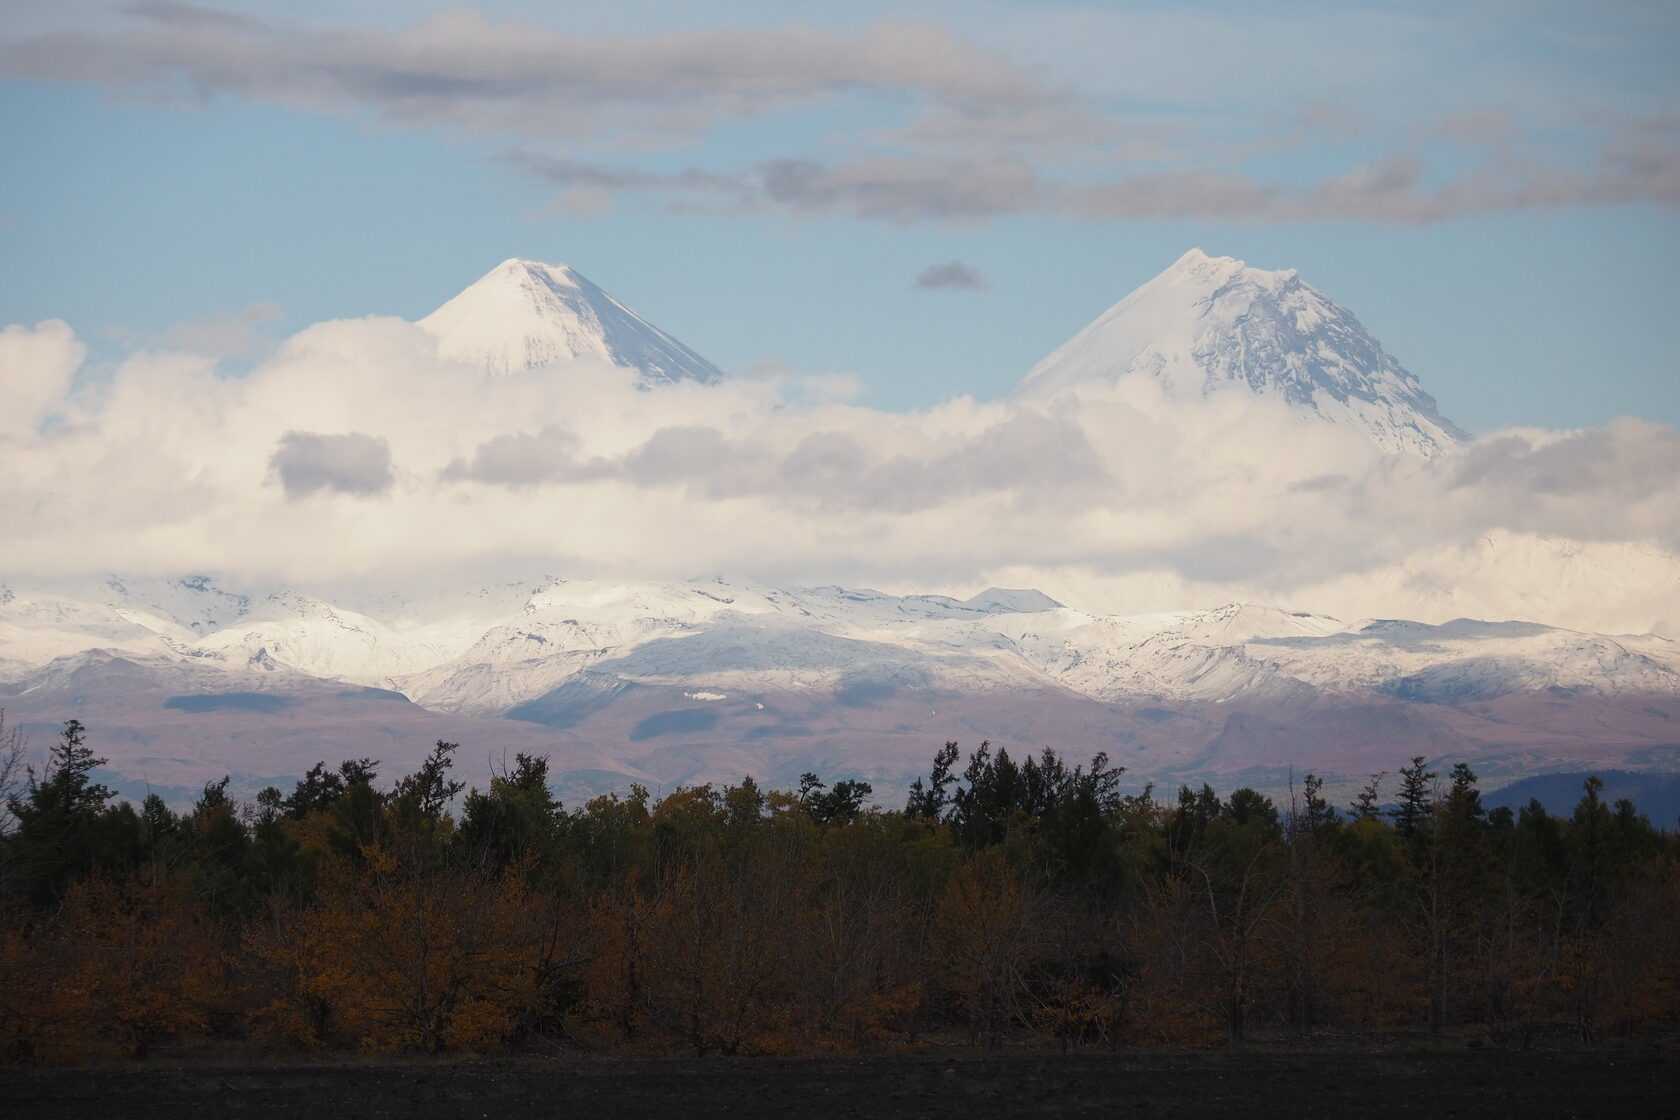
x=523, y=314
x=1212, y=324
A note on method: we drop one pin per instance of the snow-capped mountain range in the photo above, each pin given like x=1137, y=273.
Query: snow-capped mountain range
x=490, y=652
x=664, y=682
x=705, y=679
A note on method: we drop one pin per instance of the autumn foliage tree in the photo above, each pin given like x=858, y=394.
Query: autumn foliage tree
x=1026, y=900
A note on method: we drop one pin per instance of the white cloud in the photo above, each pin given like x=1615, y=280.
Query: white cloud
x=36, y=364
x=394, y=463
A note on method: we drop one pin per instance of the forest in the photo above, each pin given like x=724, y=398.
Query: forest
x=1028, y=903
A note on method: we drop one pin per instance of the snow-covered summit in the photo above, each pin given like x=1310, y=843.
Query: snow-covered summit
x=1212, y=324
x=1012, y=600
x=523, y=314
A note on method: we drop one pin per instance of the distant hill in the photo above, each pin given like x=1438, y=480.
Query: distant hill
x=1655, y=795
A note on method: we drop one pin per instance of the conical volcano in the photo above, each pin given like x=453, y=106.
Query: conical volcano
x=1212, y=324
x=523, y=314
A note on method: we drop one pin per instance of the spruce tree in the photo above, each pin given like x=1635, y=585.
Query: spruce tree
x=1417, y=784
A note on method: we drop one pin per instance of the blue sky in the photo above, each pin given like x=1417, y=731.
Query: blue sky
x=1491, y=187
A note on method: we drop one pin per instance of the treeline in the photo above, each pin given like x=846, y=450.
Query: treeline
x=1006, y=902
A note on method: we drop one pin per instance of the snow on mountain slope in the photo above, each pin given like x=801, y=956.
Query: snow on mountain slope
x=1212, y=324
x=1171, y=656
x=139, y=615
x=710, y=679
x=675, y=631
x=193, y=604
x=524, y=314
x=1248, y=651
x=718, y=634
x=560, y=631
x=196, y=619
x=727, y=638
x=311, y=636
x=1010, y=600
x=1466, y=658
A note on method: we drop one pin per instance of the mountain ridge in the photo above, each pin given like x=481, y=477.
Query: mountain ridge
x=703, y=679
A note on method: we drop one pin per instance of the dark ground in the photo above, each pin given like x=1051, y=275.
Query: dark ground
x=1293, y=1083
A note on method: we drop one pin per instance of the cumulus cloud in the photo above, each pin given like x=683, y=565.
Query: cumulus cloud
x=36, y=364
x=807, y=467
x=1108, y=497
x=520, y=459
x=1628, y=460
x=951, y=275
x=352, y=463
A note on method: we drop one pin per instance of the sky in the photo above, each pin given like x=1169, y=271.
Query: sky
x=927, y=197
x=214, y=222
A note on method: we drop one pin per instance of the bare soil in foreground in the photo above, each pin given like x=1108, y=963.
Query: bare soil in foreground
x=1294, y=1083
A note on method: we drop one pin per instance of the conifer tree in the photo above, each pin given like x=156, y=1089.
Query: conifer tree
x=1416, y=791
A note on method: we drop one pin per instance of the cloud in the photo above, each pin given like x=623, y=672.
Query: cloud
x=1598, y=484
x=936, y=126
x=582, y=174
x=1111, y=496
x=227, y=334
x=1481, y=127
x=519, y=459
x=897, y=189
x=801, y=468
x=36, y=364
x=1332, y=118
x=460, y=69
x=171, y=13
x=952, y=275
x=587, y=188
x=905, y=190
x=352, y=463
x=1628, y=459
x=901, y=189
x=1394, y=189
